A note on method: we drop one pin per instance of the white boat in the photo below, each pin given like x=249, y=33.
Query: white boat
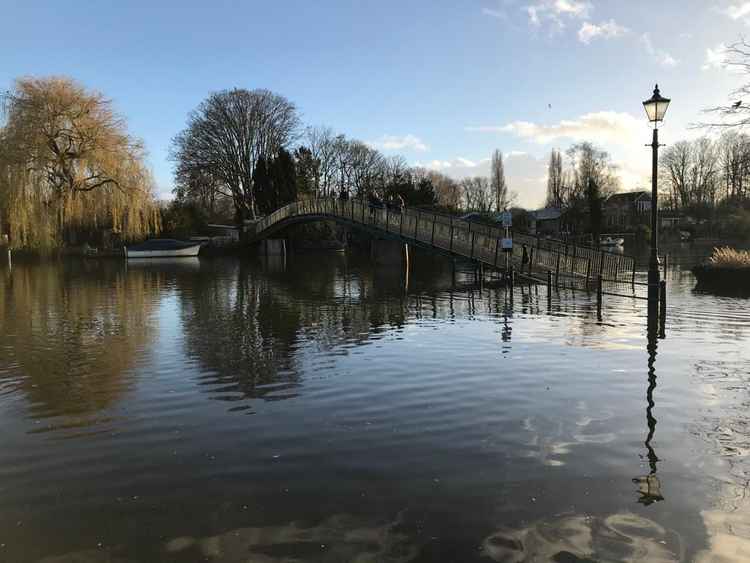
x=163, y=248
x=611, y=241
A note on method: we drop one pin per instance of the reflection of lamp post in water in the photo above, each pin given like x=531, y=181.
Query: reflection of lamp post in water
x=649, y=486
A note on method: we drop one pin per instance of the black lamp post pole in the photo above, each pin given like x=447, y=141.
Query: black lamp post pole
x=653, y=263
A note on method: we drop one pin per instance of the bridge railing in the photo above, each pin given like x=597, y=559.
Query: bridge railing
x=471, y=240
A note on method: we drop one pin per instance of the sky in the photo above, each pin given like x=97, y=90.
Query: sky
x=441, y=82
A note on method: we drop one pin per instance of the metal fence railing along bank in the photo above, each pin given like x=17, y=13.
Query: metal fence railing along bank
x=474, y=241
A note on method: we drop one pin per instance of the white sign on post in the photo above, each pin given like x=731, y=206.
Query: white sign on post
x=507, y=244
x=507, y=218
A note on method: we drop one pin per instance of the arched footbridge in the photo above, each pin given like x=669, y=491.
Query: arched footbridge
x=573, y=265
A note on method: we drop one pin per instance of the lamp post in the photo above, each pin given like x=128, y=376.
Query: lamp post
x=655, y=107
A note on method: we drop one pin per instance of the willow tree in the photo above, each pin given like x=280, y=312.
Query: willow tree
x=68, y=164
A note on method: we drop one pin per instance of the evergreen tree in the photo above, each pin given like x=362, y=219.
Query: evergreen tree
x=262, y=186
x=283, y=178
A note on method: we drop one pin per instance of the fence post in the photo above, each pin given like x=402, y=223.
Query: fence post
x=599, y=296
x=557, y=270
x=549, y=289
x=588, y=272
x=601, y=263
x=531, y=260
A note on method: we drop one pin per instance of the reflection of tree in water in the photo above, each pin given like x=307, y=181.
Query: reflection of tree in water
x=73, y=333
x=250, y=327
x=237, y=326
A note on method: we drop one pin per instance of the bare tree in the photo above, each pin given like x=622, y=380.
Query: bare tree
x=477, y=194
x=734, y=159
x=736, y=113
x=692, y=171
x=675, y=164
x=322, y=144
x=497, y=181
x=228, y=133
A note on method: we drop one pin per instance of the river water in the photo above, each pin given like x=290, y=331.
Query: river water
x=324, y=409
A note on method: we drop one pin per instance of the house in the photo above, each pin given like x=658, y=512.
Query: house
x=547, y=221
x=624, y=211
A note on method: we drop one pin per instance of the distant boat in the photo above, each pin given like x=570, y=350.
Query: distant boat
x=611, y=241
x=163, y=248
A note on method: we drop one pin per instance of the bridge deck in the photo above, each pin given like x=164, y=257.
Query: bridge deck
x=481, y=243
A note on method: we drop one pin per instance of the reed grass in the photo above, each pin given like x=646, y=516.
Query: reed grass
x=726, y=257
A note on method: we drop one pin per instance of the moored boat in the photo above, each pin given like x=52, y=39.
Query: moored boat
x=163, y=248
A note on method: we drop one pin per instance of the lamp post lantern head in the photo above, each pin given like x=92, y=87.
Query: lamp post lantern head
x=656, y=106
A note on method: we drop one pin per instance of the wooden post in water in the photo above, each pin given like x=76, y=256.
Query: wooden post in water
x=401, y=224
x=599, y=297
x=601, y=263
x=416, y=226
x=432, y=238
x=557, y=270
x=632, y=281
x=588, y=273
x=497, y=246
x=472, y=244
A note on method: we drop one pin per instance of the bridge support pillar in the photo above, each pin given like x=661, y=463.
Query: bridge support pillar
x=273, y=247
x=389, y=252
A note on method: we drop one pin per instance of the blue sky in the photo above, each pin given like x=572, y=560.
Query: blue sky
x=441, y=82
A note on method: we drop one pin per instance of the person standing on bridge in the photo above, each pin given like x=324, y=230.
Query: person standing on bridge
x=524, y=257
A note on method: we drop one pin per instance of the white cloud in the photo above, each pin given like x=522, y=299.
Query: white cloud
x=573, y=7
x=395, y=142
x=716, y=57
x=738, y=11
x=604, y=127
x=553, y=11
x=525, y=174
x=494, y=13
x=661, y=57
x=458, y=163
x=605, y=30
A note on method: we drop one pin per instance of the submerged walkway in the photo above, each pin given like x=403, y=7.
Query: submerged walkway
x=578, y=266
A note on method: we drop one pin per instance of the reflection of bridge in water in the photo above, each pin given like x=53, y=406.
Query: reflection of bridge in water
x=578, y=266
